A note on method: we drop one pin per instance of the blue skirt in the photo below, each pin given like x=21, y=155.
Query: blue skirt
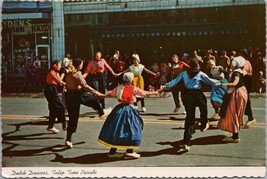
x=122, y=128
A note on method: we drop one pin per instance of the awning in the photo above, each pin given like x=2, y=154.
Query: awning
x=39, y=15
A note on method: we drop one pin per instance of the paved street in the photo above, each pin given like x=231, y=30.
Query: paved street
x=26, y=143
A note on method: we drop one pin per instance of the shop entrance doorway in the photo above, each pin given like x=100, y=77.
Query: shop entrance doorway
x=43, y=53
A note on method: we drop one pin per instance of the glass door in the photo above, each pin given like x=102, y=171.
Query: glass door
x=43, y=53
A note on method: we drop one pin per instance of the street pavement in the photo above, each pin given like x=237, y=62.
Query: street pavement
x=26, y=143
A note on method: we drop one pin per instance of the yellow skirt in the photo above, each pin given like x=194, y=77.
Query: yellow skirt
x=138, y=82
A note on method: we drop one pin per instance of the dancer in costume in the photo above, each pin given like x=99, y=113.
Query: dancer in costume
x=95, y=71
x=234, y=102
x=77, y=94
x=194, y=97
x=137, y=68
x=176, y=68
x=55, y=104
x=123, y=127
x=217, y=92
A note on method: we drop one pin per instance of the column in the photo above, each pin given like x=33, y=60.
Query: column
x=58, y=31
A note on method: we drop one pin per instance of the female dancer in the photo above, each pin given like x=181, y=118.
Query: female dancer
x=234, y=102
x=217, y=93
x=176, y=68
x=55, y=104
x=77, y=93
x=123, y=127
x=138, y=81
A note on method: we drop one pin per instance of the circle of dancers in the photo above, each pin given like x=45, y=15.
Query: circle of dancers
x=123, y=125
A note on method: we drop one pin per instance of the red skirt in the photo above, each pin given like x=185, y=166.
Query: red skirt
x=233, y=119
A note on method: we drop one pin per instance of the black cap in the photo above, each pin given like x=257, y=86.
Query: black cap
x=194, y=65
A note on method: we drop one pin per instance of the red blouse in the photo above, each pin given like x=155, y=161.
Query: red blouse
x=52, y=78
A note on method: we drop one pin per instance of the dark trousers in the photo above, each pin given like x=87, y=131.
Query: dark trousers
x=92, y=101
x=142, y=101
x=98, y=82
x=73, y=101
x=248, y=84
x=176, y=90
x=55, y=105
x=193, y=99
x=175, y=95
x=73, y=106
x=59, y=114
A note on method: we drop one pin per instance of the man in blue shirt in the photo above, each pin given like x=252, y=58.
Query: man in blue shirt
x=193, y=97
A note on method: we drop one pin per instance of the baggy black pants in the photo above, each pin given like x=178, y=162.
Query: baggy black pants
x=248, y=84
x=193, y=99
x=55, y=105
x=73, y=101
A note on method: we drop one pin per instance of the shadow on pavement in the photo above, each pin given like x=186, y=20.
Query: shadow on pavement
x=103, y=158
x=175, y=149
x=28, y=123
x=86, y=159
x=160, y=114
x=28, y=137
x=209, y=140
x=89, y=114
x=31, y=152
x=10, y=152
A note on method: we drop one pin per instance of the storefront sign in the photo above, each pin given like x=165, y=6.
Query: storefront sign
x=40, y=28
x=26, y=26
x=16, y=23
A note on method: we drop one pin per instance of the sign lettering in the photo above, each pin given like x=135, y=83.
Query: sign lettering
x=16, y=23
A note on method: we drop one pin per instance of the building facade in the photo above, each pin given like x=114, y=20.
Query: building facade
x=26, y=32
x=157, y=28
x=152, y=28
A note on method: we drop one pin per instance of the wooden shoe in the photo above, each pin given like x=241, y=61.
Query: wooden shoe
x=68, y=144
x=185, y=147
x=131, y=155
x=106, y=113
x=249, y=123
x=206, y=128
x=231, y=140
x=215, y=116
x=53, y=130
